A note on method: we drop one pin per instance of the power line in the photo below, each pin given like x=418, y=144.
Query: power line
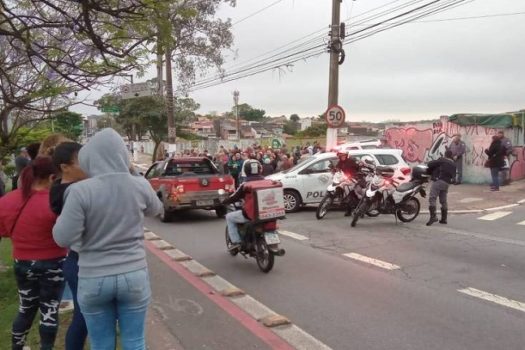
x=472, y=17
x=256, y=12
x=286, y=61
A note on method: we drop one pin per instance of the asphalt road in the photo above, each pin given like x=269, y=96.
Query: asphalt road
x=350, y=304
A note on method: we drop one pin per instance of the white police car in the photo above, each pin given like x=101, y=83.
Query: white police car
x=306, y=182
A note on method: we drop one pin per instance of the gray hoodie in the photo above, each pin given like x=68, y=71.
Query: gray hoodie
x=103, y=216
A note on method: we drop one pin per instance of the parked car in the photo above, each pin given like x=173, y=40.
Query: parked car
x=367, y=144
x=306, y=183
x=189, y=183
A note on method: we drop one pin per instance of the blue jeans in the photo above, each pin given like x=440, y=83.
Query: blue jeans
x=103, y=300
x=494, y=172
x=77, y=331
x=232, y=219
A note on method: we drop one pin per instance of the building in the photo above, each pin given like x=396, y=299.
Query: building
x=203, y=127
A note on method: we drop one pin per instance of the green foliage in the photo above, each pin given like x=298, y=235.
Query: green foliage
x=70, y=124
x=249, y=113
x=291, y=127
x=294, y=117
x=313, y=131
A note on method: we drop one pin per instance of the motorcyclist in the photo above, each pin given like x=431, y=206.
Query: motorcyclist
x=350, y=167
x=253, y=170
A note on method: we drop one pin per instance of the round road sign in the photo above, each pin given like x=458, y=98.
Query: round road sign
x=335, y=116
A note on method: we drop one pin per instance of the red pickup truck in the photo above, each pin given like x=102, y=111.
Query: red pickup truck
x=189, y=183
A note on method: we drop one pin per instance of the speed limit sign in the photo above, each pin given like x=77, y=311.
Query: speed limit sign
x=335, y=116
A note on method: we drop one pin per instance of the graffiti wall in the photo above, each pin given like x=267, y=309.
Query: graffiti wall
x=424, y=142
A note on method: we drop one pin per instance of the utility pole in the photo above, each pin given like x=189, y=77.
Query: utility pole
x=333, y=84
x=172, y=132
x=236, y=101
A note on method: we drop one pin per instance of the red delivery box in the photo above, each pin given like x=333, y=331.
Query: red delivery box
x=264, y=200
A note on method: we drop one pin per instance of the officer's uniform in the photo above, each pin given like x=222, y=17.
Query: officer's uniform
x=443, y=173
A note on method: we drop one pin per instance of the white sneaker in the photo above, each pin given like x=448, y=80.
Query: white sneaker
x=66, y=306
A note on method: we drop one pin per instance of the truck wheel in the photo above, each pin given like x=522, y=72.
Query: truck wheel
x=221, y=212
x=292, y=202
x=166, y=215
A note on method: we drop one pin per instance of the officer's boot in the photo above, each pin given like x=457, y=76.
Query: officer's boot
x=433, y=216
x=444, y=213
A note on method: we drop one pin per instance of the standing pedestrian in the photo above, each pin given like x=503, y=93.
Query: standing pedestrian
x=65, y=159
x=21, y=161
x=458, y=149
x=507, y=149
x=26, y=217
x=113, y=280
x=496, y=161
x=443, y=172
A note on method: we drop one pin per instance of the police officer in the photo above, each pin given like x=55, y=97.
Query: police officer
x=443, y=173
x=349, y=166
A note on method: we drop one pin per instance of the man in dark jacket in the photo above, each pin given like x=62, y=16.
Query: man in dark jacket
x=443, y=173
x=496, y=161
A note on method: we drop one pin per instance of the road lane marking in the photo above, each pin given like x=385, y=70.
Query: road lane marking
x=517, y=305
x=495, y=216
x=503, y=207
x=379, y=263
x=293, y=235
x=521, y=223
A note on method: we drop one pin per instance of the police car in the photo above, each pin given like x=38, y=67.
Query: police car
x=306, y=182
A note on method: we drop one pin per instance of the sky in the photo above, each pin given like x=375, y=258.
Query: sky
x=416, y=71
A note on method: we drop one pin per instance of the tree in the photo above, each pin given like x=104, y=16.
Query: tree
x=294, y=118
x=68, y=123
x=291, y=127
x=314, y=131
x=50, y=49
x=249, y=113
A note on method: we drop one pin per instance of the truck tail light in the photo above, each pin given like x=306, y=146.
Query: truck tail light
x=176, y=190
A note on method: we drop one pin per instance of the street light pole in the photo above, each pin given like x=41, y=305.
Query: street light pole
x=236, y=101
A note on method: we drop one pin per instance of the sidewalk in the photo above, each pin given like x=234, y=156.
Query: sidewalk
x=467, y=197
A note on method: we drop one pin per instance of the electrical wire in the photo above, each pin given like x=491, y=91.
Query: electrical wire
x=256, y=12
x=316, y=50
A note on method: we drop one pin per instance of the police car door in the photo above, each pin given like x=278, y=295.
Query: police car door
x=315, y=179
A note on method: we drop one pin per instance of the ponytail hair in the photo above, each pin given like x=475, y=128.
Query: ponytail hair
x=41, y=168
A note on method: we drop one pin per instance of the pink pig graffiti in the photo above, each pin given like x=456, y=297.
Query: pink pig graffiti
x=414, y=143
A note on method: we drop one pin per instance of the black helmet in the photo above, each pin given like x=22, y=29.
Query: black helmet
x=420, y=172
x=252, y=167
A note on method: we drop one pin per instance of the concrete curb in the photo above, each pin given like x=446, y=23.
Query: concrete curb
x=278, y=324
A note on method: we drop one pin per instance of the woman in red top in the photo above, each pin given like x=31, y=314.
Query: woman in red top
x=26, y=217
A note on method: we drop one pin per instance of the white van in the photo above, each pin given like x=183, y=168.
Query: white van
x=306, y=182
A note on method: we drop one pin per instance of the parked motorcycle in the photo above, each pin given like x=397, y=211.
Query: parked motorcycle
x=344, y=191
x=258, y=240
x=386, y=195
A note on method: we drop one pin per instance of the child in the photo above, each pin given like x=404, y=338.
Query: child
x=65, y=158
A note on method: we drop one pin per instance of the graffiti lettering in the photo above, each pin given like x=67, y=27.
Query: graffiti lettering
x=517, y=168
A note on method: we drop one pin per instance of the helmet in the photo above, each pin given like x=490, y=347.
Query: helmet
x=420, y=172
x=252, y=167
x=341, y=153
x=368, y=160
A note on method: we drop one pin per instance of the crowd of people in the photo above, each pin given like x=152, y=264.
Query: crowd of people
x=273, y=160
x=62, y=231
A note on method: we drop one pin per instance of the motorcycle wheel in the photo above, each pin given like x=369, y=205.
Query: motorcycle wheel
x=409, y=210
x=229, y=244
x=373, y=211
x=323, y=208
x=358, y=212
x=264, y=256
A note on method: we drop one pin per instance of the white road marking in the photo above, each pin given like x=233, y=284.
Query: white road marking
x=382, y=264
x=521, y=223
x=521, y=201
x=503, y=207
x=495, y=216
x=293, y=235
x=517, y=305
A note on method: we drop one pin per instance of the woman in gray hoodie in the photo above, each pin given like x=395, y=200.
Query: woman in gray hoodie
x=103, y=220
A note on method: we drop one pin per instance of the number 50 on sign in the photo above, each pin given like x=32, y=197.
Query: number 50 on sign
x=335, y=116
